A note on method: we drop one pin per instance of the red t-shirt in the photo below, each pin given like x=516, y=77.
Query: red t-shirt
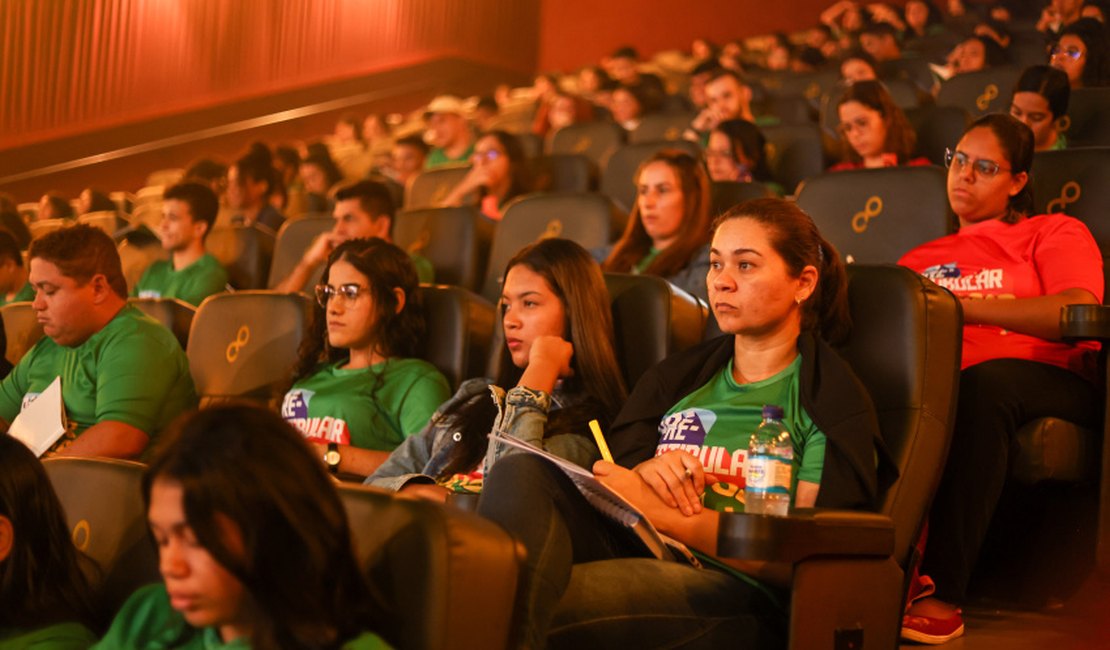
x=891, y=160
x=1038, y=256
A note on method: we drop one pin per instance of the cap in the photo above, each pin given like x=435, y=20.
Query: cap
x=445, y=104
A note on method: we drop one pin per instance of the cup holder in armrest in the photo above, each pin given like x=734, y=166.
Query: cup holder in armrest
x=1085, y=322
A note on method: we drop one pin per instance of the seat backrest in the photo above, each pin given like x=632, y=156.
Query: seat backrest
x=810, y=85
x=531, y=144
x=794, y=153
x=46, y=226
x=585, y=218
x=460, y=329
x=652, y=319
x=430, y=187
x=175, y=315
x=149, y=214
x=292, y=241
x=618, y=176
x=103, y=504
x=149, y=194
x=439, y=574
x=106, y=220
x=17, y=227
x=787, y=109
x=21, y=328
x=1077, y=183
x=905, y=347
x=455, y=240
x=874, y=216
x=1087, y=123
x=594, y=140
x=245, y=252
x=165, y=177
x=725, y=194
x=137, y=253
x=564, y=172
x=661, y=127
x=980, y=92
x=937, y=128
x=244, y=344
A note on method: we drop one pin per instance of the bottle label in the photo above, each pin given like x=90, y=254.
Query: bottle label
x=767, y=474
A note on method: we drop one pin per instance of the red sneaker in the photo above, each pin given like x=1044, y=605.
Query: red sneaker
x=932, y=631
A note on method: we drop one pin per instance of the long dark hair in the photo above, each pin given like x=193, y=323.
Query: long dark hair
x=746, y=138
x=1016, y=140
x=520, y=178
x=576, y=279
x=1096, y=70
x=395, y=334
x=796, y=239
x=41, y=581
x=693, y=232
x=900, y=137
x=245, y=465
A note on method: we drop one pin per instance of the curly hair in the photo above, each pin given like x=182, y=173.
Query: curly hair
x=900, y=137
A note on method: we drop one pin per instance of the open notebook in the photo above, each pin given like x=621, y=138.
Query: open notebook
x=42, y=420
x=611, y=504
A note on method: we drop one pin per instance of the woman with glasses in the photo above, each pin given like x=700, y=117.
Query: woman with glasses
x=1040, y=99
x=357, y=393
x=737, y=153
x=498, y=174
x=874, y=132
x=1013, y=272
x=1080, y=51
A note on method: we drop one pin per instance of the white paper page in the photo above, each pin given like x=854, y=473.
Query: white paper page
x=41, y=423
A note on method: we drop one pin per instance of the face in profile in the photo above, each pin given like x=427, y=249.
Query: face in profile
x=61, y=304
x=1070, y=55
x=661, y=203
x=863, y=127
x=529, y=309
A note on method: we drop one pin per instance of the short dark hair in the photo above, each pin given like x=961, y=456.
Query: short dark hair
x=626, y=52
x=61, y=207
x=206, y=170
x=9, y=248
x=202, y=201
x=705, y=67
x=488, y=103
x=373, y=197
x=258, y=165
x=414, y=141
x=721, y=73
x=81, y=252
x=1048, y=82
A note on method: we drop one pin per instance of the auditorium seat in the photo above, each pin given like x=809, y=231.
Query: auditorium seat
x=980, y=92
x=725, y=194
x=938, y=128
x=293, y=239
x=103, y=504
x=430, y=187
x=165, y=177
x=588, y=219
x=441, y=576
x=1075, y=182
x=618, y=176
x=148, y=214
x=455, y=240
x=138, y=249
x=245, y=252
x=106, y=220
x=531, y=144
x=29, y=211
x=460, y=327
x=787, y=109
x=21, y=329
x=175, y=315
x=810, y=85
x=148, y=194
x=794, y=153
x=1088, y=119
x=661, y=127
x=244, y=344
x=874, y=216
x=563, y=172
x=46, y=226
x=594, y=140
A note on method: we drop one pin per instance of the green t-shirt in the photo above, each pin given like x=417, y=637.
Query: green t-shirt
x=148, y=621
x=26, y=293
x=60, y=636
x=371, y=408
x=438, y=157
x=646, y=260
x=716, y=421
x=192, y=284
x=132, y=371
x=425, y=272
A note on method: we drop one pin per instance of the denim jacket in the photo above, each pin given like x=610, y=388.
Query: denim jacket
x=521, y=413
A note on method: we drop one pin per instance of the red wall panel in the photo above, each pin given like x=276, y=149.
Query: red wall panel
x=577, y=32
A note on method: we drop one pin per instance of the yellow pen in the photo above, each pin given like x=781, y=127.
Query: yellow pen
x=596, y=429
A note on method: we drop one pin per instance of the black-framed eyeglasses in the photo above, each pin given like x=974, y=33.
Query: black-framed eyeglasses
x=1072, y=52
x=982, y=167
x=349, y=292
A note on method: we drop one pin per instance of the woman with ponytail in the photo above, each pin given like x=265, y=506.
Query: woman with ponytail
x=1012, y=273
x=778, y=291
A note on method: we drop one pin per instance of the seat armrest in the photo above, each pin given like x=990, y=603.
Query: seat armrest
x=807, y=532
x=1085, y=322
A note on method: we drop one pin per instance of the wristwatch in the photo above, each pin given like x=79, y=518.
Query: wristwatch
x=332, y=457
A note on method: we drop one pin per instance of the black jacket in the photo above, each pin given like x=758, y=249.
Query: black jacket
x=831, y=394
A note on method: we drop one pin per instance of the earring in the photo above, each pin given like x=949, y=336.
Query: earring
x=798, y=300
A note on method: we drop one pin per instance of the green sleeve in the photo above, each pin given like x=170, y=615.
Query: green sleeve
x=146, y=620
x=14, y=387
x=813, y=458
x=367, y=641
x=425, y=272
x=134, y=378
x=428, y=391
x=207, y=284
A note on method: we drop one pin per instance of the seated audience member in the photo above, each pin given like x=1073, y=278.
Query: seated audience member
x=974, y=54
x=563, y=109
x=699, y=76
x=995, y=31
x=779, y=290
x=922, y=19
x=53, y=205
x=124, y=376
x=1012, y=272
x=348, y=131
x=703, y=49
x=94, y=200
x=211, y=173
x=845, y=18
x=1059, y=14
x=14, y=286
x=485, y=113
x=293, y=200
x=362, y=210
x=498, y=174
x=544, y=87
x=44, y=587
x=448, y=132
x=191, y=274
x=727, y=98
x=819, y=37
x=880, y=40
x=627, y=107
x=254, y=545
x=250, y=182
x=358, y=390
x=858, y=65
x=737, y=152
x=668, y=231
x=874, y=131
x=623, y=67
x=407, y=159
x=1080, y=51
x=778, y=55
x=13, y=223
x=375, y=129
x=594, y=84
x=557, y=371
x=1040, y=98
x=320, y=175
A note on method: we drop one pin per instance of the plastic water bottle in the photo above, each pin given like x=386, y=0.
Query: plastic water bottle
x=769, y=465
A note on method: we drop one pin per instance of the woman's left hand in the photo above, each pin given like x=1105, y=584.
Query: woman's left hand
x=632, y=486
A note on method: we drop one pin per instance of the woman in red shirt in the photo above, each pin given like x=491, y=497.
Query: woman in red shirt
x=874, y=131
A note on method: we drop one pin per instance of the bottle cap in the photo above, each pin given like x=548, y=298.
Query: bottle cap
x=772, y=412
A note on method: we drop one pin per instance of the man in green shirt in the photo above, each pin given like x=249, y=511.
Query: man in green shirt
x=448, y=133
x=13, y=275
x=191, y=274
x=124, y=377
x=362, y=210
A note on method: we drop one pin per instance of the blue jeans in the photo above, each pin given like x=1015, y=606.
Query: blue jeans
x=588, y=583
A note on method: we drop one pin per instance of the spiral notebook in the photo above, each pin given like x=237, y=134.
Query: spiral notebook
x=611, y=504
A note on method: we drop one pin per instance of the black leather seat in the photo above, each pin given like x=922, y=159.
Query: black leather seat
x=563, y=172
x=594, y=140
x=618, y=177
x=937, y=128
x=430, y=187
x=1075, y=182
x=980, y=92
x=294, y=238
x=794, y=153
x=245, y=251
x=725, y=194
x=1088, y=120
x=460, y=327
x=175, y=315
x=661, y=127
x=455, y=240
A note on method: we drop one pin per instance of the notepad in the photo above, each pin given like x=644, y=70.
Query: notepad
x=42, y=421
